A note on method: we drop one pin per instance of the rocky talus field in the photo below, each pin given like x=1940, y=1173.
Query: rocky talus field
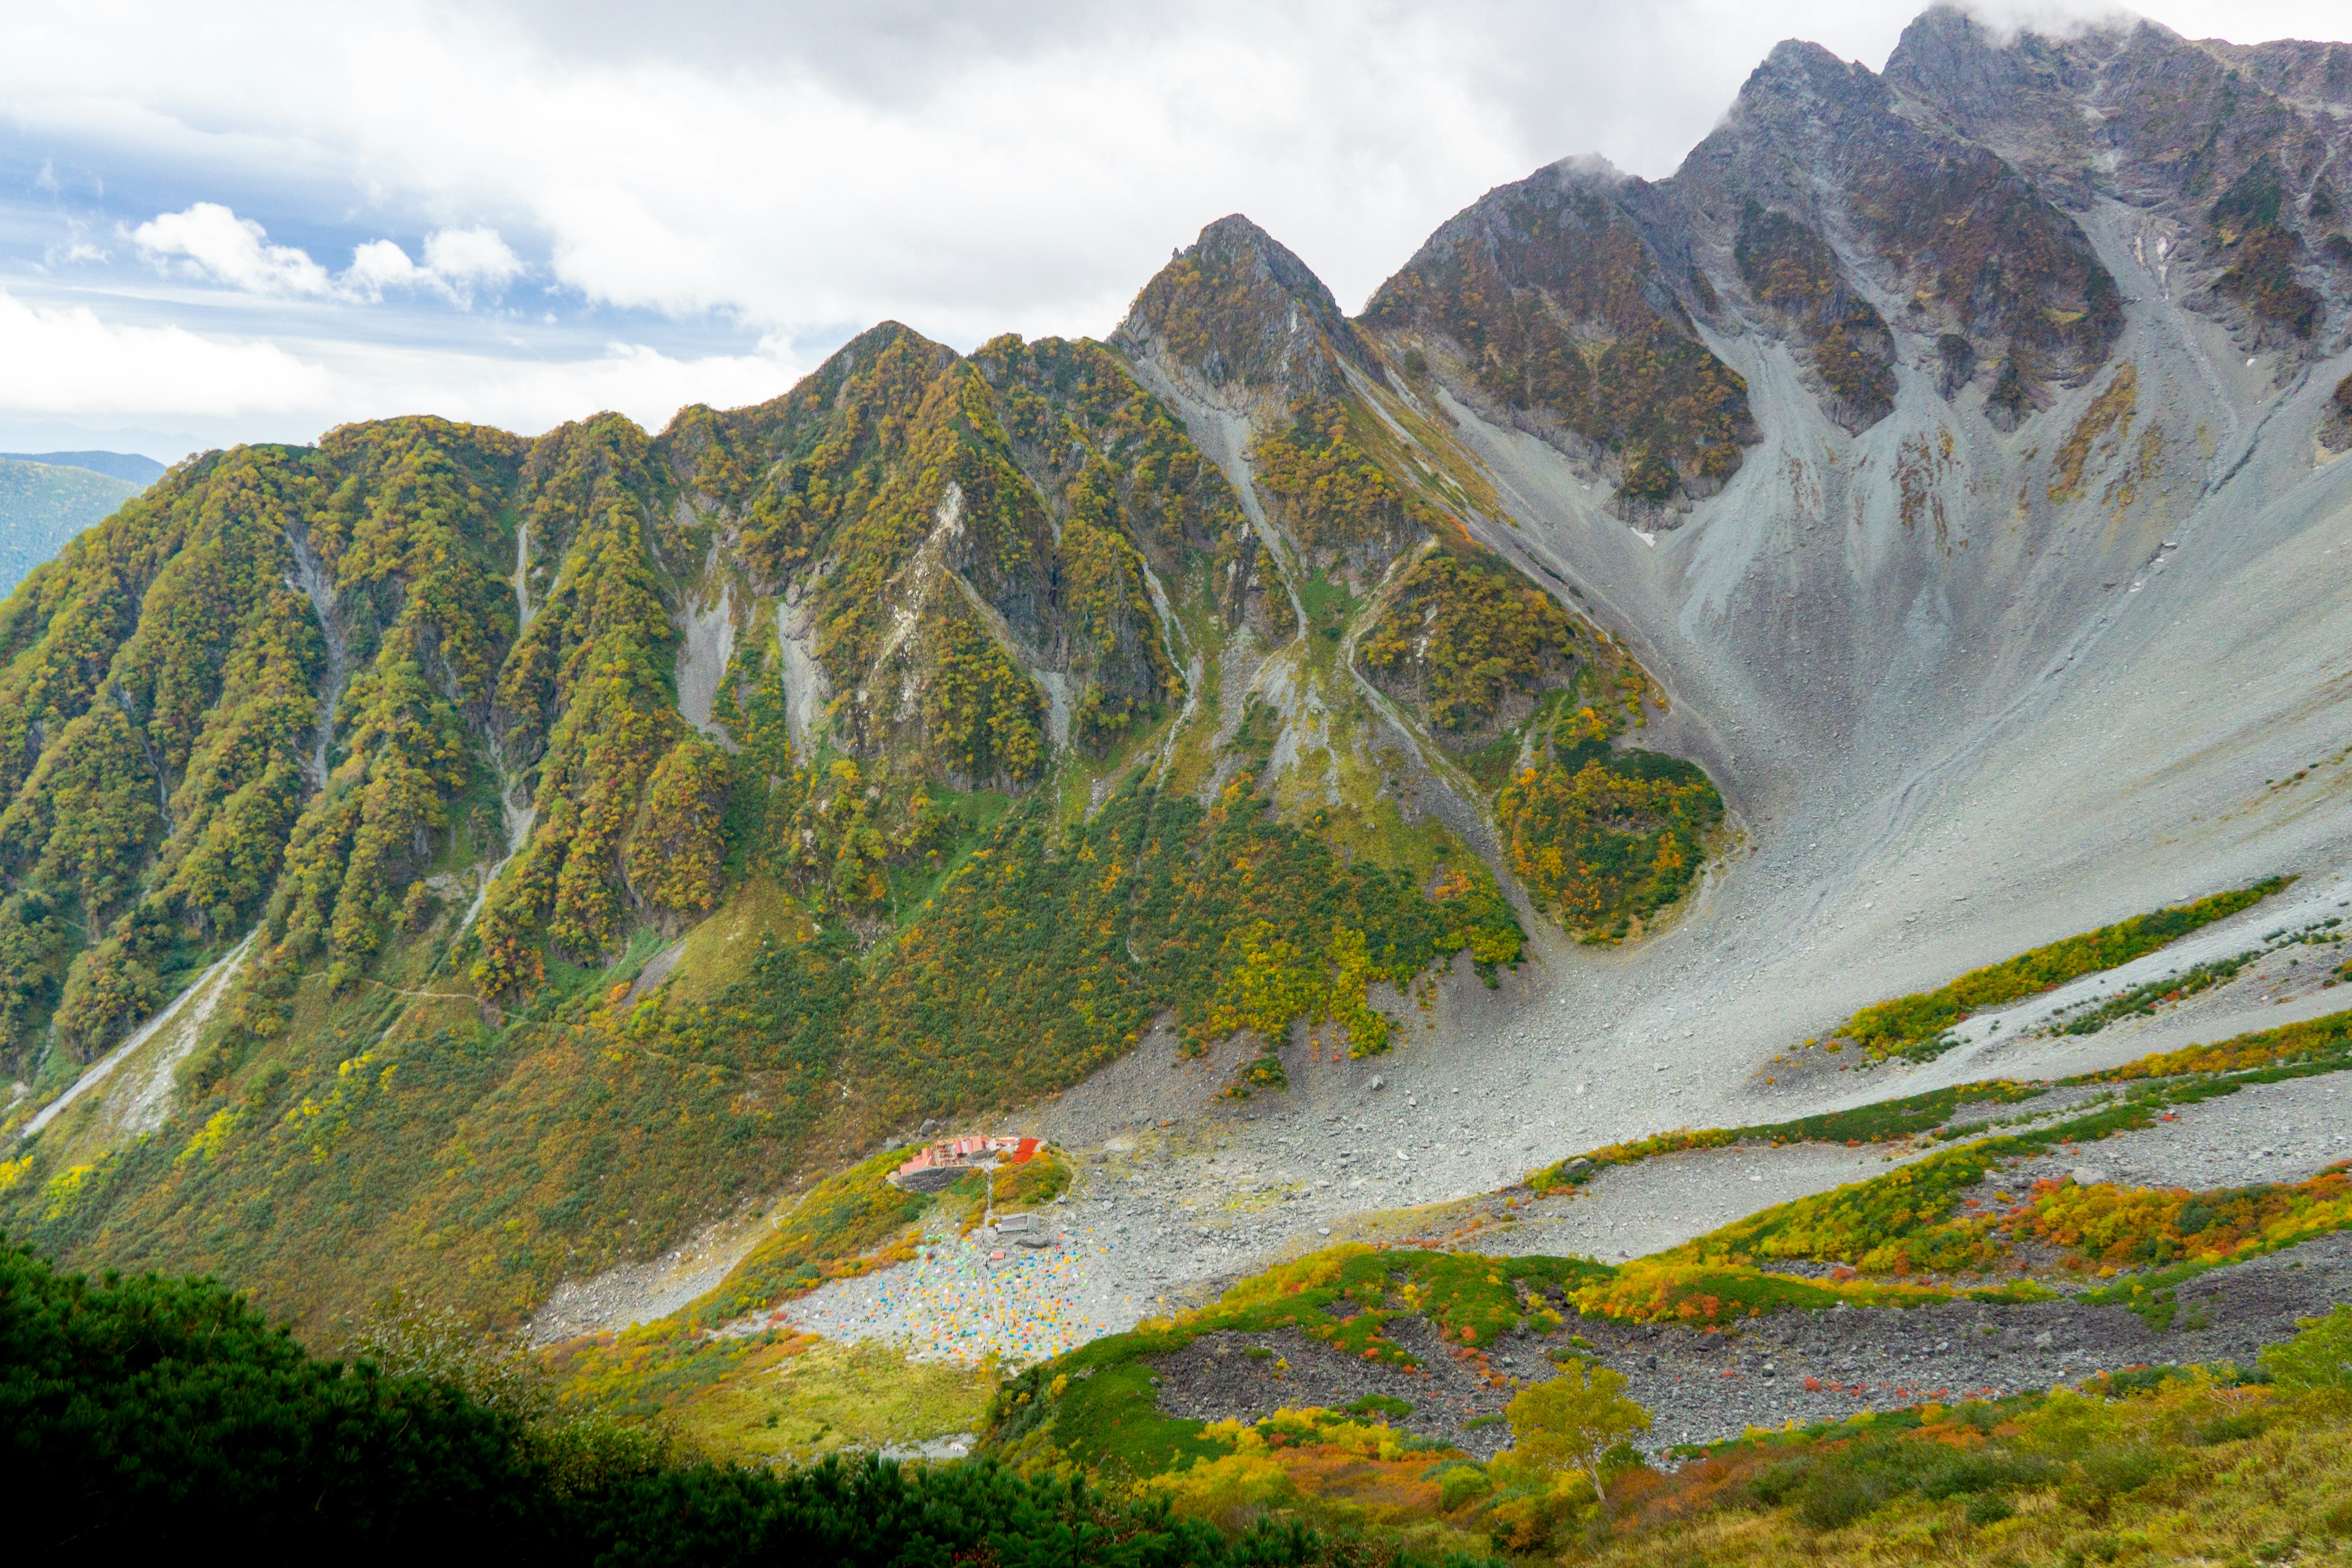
x=1743, y=780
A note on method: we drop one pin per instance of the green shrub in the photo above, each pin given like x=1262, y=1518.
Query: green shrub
x=149, y=1413
x=1462, y=1484
x=1834, y=1497
x=2319, y=1357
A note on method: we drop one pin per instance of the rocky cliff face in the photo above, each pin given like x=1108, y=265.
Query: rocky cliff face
x=2230, y=152
x=1900, y=536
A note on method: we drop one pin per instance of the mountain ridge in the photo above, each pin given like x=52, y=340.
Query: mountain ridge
x=1625, y=610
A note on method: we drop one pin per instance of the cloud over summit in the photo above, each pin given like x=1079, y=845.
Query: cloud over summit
x=584, y=191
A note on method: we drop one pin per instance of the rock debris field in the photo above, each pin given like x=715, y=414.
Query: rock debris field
x=1703, y=1387
x=991, y=1294
x=1142, y=1235
x=1812, y=1366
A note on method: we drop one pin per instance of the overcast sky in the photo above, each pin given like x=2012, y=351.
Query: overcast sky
x=253, y=221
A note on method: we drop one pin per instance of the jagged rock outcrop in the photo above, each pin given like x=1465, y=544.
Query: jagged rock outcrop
x=2230, y=151
x=1238, y=310
x=1549, y=305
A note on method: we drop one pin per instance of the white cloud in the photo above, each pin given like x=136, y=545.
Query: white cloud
x=209, y=241
x=70, y=361
x=646, y=384
x=378, y=265
x=476, y=256
x=457, y=262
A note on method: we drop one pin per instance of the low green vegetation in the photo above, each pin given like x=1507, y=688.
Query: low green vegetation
x=1914, y=1026
x=1922, y=1218
x=1095, y=1405
x=805, y=1399
x=833, y=1230
x=142, y=1410
x=1043, y=1177
x=2292, y=1050
x=1669, y=1288
x=2110, y=1229
x=1462, y=634
x=2143, y=1000
x=2168, y=1464
x=2136, y=1451
x=1881, y=1121
x=2314, y=1044
x=1606, y=837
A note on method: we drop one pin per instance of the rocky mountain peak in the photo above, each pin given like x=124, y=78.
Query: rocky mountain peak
x=1800, y=72
x=2227, y=145
x=1237, y=307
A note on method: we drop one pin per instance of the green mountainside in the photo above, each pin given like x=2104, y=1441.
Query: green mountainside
x=1002, y=723
x=1008, y=707
x=445, y=871
x=134, y=468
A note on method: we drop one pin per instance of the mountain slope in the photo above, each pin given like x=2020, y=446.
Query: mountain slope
x=1676, y=615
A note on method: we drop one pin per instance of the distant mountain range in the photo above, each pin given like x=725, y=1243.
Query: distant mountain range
x=137, y=468
x=47, y=497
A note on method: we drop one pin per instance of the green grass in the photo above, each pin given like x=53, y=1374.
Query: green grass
x=794, y=1402
x=1493, y=763
x=1908, y=1220
x=912, y=886
x=1328, y=605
